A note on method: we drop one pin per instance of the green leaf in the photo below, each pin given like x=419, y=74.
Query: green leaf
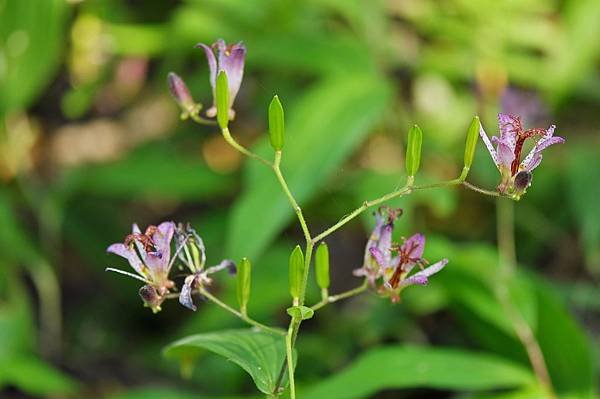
x=260, y=353
x=32, y=39
x=410, y=367
x=323, y=130
x=471, y=143
x=35, y=377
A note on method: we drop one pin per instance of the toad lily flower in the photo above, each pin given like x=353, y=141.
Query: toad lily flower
x=379, y=245
x=396, y=272
x=193, y=256
x=516, y=174
x=229, y=59
x=149, y=254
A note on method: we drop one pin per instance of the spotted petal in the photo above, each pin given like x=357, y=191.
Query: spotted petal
x=185, y=297
x=510, y=126
x=488, y=145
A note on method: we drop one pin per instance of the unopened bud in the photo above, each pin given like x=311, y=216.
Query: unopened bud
x=322, y=266
x=471, y=145
x=243, y=284
x=222, y=92
x=276, y=124
x=181, y=93
x=413, y=150
x=296, y=272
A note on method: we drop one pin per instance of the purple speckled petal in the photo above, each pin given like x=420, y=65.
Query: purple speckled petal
x=510, y=126
x=162, y=238
x=488, y=145
x=420, y=280
x=533, y=162
x=433, y=269
x=129, y=254
x=185, y=297
x=378, y=256
x=533, y=159
x=385, y=244
x=505, y=153
x=417, y=244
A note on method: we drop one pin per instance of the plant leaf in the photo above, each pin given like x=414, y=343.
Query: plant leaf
x=260, y=353
x=409, y=367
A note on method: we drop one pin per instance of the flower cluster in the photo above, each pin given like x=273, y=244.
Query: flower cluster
x=516, y=174
x=388, y=265
x=149, y=254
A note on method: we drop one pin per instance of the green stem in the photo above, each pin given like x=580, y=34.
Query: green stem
x=289, y=350
x=277, y=169
x=198, y=119
x=227, y=136
x=245, y=318
x=346, y=294
x=508, y=264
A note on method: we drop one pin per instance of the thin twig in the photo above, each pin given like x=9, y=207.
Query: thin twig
x=346, y=294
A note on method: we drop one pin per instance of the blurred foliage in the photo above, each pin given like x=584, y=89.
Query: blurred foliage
x=90, y=142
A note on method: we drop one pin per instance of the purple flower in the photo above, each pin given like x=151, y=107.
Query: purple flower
x=182, y=96
x=379, y=245
x=229, y=59
x=149, y=254
x=507, y=154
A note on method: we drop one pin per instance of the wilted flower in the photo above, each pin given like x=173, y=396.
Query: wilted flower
x=193, y=255
x=507, y=155
x=392, y=262
x=149, y=254
x=229, y=59
x=379, y=244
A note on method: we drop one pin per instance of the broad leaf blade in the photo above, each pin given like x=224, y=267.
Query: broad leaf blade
x=260, y=353
x=409, y=367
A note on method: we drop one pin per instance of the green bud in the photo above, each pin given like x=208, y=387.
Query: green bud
x=300, y=312
x=322, y=266
x=413, y=150
x=244, y=273
x=471, y=143
x=296, y=272
x=276, y=124
x=222, y=100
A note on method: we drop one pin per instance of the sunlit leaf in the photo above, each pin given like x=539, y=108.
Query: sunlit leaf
x=411, y=367
x=261, y=354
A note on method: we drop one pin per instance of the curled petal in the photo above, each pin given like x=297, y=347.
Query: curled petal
x=533, y=159
x=129, y=254
x=232, y=62
x=415, y=245
x=433, y=269
x=212, y=65
x=488, y=145
x=419, y=280
x=185, y=297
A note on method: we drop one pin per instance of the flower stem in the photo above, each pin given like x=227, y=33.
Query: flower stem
x=232, y=142
x=289, y=350
x=346, y=294
x=242, y=316
x=508, y=264
x=277, y=169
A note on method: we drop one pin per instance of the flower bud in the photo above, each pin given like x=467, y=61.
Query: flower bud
x=322, y=266
x=276, y=124
x=296, y=272
x=222, y=93
x=471, y=144
x=243, y=284
x=413, y=150
x=181, y=94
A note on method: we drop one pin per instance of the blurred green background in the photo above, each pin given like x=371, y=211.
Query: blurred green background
x=90, y=142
